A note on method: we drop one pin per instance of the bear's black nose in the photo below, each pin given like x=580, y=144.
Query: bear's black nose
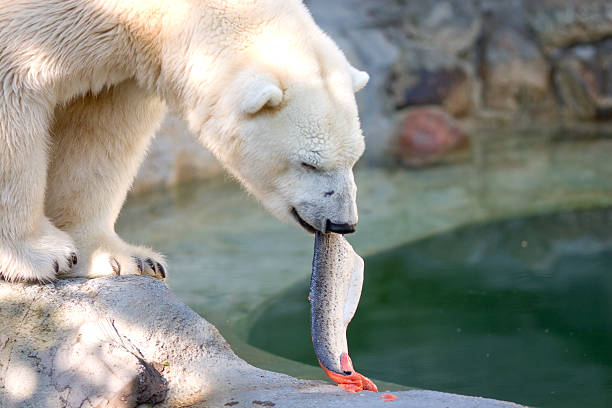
x=340, y=228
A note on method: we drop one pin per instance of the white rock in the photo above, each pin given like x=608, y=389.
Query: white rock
x=125, y=341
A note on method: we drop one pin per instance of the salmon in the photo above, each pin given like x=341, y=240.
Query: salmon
x=335, y=289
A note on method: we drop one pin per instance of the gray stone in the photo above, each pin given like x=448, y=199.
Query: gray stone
x=124, y=341
x=604, y=55
x=429, y=76
x=504, y=13
x=450, y=25
x=574, y=83
x=342, y=14
x=514, y=71
x=583, y=77
x=562, y=23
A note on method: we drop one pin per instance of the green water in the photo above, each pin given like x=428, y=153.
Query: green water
x=519, y=310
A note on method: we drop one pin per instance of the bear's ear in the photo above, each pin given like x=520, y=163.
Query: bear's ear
x=263, y=94
x=359, y=78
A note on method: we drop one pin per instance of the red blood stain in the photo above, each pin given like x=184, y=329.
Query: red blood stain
x=389, y=397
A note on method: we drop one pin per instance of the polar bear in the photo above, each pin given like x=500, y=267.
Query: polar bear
x=84, y=85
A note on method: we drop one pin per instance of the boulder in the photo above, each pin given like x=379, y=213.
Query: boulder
x=125, y=341
x=429, y=76
x=449, y=25
x=563, y=23
x=503, y=13
x=514, y=71
x=427, y=135
x=583, y=77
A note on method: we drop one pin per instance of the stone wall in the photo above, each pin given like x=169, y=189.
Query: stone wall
x=441, y=68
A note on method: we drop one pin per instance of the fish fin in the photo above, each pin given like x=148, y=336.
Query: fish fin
x=354, y=382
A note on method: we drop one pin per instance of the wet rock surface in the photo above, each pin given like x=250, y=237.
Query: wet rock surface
x=125, y=341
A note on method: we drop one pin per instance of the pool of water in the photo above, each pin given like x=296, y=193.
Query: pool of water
x=519, y=309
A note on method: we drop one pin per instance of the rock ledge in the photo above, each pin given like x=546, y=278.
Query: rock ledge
x=125, y=341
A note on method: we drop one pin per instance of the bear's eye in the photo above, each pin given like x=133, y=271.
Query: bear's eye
x=308, y=166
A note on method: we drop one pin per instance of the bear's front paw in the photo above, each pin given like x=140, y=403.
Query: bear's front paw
x=38, y=258
x=109, y=255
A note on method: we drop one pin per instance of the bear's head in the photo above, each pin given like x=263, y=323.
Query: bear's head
x=297, y=146
x=285, y=122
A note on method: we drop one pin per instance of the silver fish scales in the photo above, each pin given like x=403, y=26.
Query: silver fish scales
x=335, y=290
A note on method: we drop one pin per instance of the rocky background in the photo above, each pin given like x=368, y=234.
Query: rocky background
x=443, y=72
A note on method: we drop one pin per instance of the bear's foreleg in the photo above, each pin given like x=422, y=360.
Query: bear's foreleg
x=31, y=248
x=98, y=144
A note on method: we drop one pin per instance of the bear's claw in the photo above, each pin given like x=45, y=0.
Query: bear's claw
x=72, y=260
x=162, y=270
x=150, y=267
x=115, y=267
x=139, y=264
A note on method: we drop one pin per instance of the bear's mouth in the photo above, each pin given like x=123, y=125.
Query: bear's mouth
x=301, y=221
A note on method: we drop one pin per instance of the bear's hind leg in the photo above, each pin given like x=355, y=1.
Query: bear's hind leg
x=98, y=144
x=31, y=248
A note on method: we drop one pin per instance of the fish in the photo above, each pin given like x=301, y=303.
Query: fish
x=335, y=290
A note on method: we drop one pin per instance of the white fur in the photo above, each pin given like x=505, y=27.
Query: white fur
x=359, y=78
x=85, y=83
